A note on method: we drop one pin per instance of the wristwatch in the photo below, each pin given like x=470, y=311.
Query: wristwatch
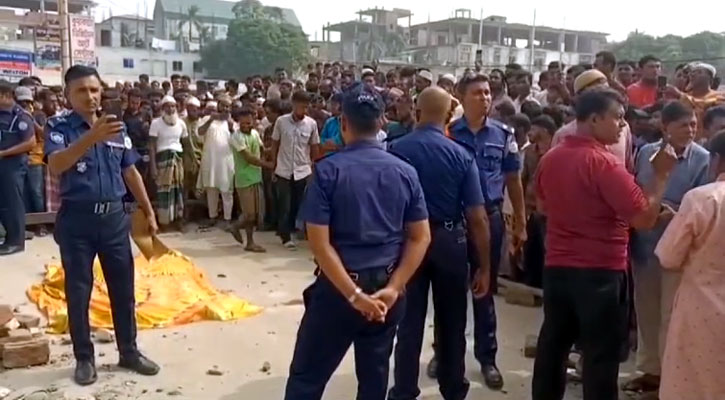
x=355, y=295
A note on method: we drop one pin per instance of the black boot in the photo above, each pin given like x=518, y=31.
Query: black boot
x=492, y=376
x=85, y=373
x=139, y=364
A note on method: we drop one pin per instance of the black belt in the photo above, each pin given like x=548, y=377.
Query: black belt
x=87, y=207
x=447, y=225
x=369, y=280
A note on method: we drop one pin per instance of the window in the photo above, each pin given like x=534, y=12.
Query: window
x=177, y=66
x=128, y=63
x=197, y=67
x=106, y=38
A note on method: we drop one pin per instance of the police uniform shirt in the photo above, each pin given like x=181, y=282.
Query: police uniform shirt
x=16, y=127
x=97, y=176
x=365, y=195
x=448, y=172
x=497, y=154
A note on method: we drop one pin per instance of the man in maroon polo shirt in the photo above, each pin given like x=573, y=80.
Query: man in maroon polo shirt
x=590, y=201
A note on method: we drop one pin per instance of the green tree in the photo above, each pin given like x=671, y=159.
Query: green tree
x=258, y=40
x=673, y=50
x=192, y=19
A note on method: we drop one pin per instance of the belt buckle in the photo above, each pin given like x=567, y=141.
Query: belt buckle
x=448, y=225
x=101, y=208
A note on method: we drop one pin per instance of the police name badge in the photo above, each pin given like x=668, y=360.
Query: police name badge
x=127, y=142
x=81, y=167
x=22, y=125
x=56, y=137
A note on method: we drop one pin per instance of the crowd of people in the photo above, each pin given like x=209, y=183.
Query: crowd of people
x=567, y=183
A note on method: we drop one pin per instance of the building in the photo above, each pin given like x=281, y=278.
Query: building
x=462, y=40
x=374, y=35
x=172, y=20
x=132, y=31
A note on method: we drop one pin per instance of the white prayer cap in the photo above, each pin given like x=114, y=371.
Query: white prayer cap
x=193, y=101
x=448, y=77
x=167, y=100
x=426, y=75
x=211, y=104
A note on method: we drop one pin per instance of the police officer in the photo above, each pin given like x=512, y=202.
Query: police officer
x=368, y=229
x=450, y=180
x=17, y=138
x=497, y=157
x=94, y=157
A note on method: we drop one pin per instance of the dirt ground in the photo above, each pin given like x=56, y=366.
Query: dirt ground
x=239, y=349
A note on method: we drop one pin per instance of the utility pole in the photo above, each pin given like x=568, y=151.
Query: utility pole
x=64, y=36
x=533, y=37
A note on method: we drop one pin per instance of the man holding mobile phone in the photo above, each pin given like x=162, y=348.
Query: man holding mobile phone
x=94, y=157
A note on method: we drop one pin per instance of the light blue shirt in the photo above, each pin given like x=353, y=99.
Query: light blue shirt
x=690, y=172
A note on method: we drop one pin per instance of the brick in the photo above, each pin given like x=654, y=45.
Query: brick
x=14, y=336
x=530, y=346
x=6, y=314
x=28, y=321
x=27, y=353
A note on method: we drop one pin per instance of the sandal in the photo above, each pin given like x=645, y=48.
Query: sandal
x=255, y=248
x=643, y=384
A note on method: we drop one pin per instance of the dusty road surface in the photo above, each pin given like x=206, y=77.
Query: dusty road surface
x=253, y=354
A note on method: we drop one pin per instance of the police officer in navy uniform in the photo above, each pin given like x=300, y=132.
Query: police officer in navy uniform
x=497, y=157
x=367, y=225
x=94, y=157
x=17, y=138
x=451, y=184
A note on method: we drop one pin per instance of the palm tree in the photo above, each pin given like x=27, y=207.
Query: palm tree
x=192, y=18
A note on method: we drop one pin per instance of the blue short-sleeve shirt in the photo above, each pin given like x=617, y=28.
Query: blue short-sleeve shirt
x=98, y=175
x=496, y=151
x=366, y=196
x=448, y=172
x=16, y=127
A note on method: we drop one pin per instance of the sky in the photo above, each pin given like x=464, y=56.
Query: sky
x=616, y=17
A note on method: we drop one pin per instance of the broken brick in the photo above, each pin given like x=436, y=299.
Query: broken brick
x=6, y=314
x=28, y=321
x=27, y=353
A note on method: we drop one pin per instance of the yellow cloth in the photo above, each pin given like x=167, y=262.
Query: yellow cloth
x=170, y=291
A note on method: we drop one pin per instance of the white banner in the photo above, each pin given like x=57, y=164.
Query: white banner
x=82, y=40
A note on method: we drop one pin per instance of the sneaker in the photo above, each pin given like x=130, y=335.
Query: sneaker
x=290, y=245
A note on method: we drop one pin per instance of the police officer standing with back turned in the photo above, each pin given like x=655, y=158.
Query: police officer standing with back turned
x=450, y=180
x=17, y=138
x=368, y=230
x=94, y=157
x=497, y=157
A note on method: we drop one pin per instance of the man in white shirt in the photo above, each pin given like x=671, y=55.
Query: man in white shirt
x=167, y=165
x=295, y=145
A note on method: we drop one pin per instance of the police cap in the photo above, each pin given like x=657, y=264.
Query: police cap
x=361, y=105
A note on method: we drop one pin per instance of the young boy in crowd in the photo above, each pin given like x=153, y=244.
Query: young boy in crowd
x=248, y=164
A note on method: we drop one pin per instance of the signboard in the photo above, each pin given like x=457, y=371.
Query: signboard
x=15, y=65
x=47, y=44
x=82, y=40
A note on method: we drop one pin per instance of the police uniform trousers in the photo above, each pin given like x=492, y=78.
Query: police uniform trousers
x=484, y=310
x=12, y=204
x=445, y=269
x=328, y=328
x=84, y=230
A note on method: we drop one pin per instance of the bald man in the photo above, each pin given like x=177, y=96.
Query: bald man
x=450, y=181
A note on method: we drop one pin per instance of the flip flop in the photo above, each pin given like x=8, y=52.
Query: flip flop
x=237, y=236
x=641, y=384
x=255, y=249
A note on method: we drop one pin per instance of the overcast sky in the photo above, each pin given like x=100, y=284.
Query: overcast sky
x=616, y=17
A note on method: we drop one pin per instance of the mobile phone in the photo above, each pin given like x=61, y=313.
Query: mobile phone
x=661, y=82
x=113, y=107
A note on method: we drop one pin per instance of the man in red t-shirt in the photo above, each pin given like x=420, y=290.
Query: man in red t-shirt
x=644, y=93
x=590, y=201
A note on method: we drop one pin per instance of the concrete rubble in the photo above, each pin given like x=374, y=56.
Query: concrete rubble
x=22, y=343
